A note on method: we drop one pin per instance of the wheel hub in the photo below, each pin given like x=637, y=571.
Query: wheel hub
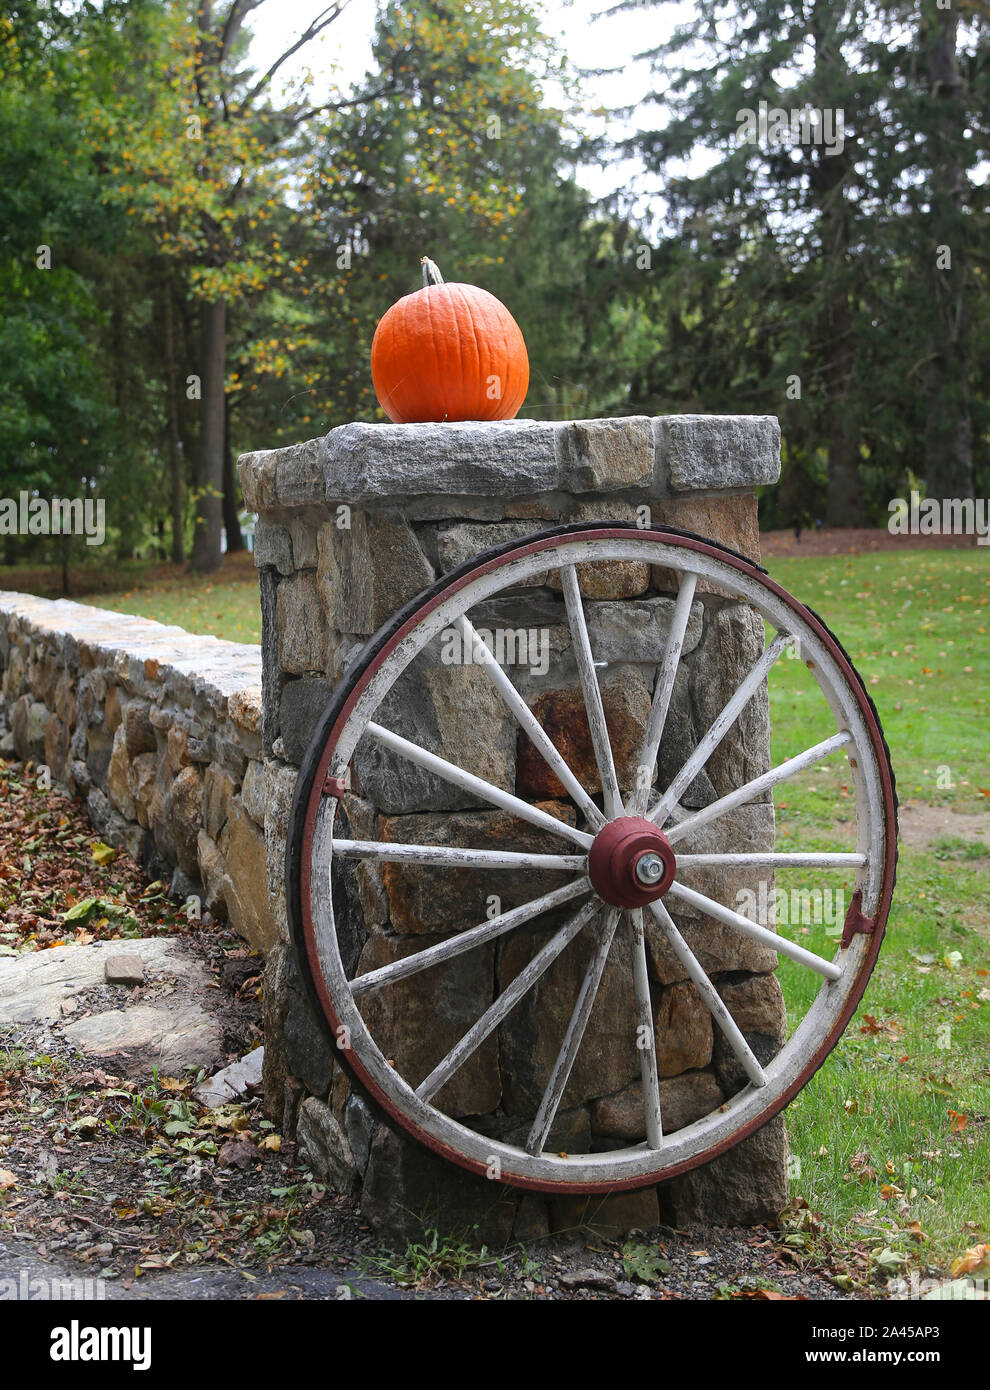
x=631, y=862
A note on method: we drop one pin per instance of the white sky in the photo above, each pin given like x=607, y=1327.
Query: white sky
x=343, y=54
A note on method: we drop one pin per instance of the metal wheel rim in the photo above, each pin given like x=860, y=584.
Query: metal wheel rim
x=330, y=753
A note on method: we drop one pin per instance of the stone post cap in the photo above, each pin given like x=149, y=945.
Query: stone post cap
x=634, y=455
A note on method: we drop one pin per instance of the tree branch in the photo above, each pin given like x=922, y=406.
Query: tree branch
x=322, y=20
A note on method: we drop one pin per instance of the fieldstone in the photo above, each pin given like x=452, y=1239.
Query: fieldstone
x=169, y=1035
x=418, y=1020
x=606, y=455
x=757, y=1005
x=184, y=810
x=65, y=699
x=626, y=700
x=704, y=453
x=177, y=749
x=680, y=738
x=257, y=477
x=368, y=570
x=139, y=732
x=245, y=882
x=254, y=792
x=610, y=1218
x=280, y=784
x=298, y=1050
x=124, y=969
x=732, y=645
x=119, y=778
x=637, y=629
x=465, y=540
x=57, y=738
x=111, y=710
x=273, y=546
x=359, y=1127
x=304, y=639
x=302, y=703
x=730, y=521
x=28, y=720
x=607, y=579
x=746, y=1186
x=532, y=1221
x=324, y=1147
x=142, y=779
x=683, y=1030
x=239, y=1081
x=504, y=458
x=439, y=900
x=441, y=708
x=530, y=1037
x=408, y=1191
x=211, y=864
x=683, y=1099
x=302, y=531
x=218, y=793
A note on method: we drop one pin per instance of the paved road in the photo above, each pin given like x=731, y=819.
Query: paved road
x=23, y=1275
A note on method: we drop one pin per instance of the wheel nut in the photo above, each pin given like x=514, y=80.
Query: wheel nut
x=649, y=868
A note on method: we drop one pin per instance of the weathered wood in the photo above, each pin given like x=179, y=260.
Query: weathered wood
x=592, y=692
x=752, y=929
x=452, y=857
x=664, y=689
x=529, y=723
x=574, y=1036
x=710, y=995
x=454, y=946
x=506, y=1001
x=721, y=726
x=646, y=1038
x=758, y=785
x=476, y=785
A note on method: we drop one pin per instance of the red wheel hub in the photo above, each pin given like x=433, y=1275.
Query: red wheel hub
x=631, y=862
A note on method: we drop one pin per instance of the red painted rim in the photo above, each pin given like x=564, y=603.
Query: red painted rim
x=872, y=724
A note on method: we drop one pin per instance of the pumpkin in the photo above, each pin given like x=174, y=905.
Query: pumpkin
x=449, y=352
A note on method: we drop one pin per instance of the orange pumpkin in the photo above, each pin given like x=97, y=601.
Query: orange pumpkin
x=449, y=352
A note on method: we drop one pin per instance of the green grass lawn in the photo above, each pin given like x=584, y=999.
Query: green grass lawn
x=891, y=1139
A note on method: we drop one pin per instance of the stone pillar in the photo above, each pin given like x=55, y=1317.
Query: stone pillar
x=349, y=528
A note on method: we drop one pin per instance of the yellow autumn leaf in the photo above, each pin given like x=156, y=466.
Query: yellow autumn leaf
x=976, y=1260
x=103, y=853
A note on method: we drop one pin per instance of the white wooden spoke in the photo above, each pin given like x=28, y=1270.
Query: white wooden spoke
x=453, y=857
x=711, y=908
x=723, y=723
x=772, y=859
x=758, y=785
x=569, y=1048
x=529, y=723
x=710, y=995
x=476, y=785
x=592, y=691
x=506, y=1001
x=646, y=1039
x=453, y=946
x=664, y=688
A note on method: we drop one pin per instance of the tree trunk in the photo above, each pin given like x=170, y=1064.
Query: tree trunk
x=209, y=464
x=174, y=451
x=949, y=430
x=231, y=497
x=828, y=174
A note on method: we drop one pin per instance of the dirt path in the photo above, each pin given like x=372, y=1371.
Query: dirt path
x=854, y=540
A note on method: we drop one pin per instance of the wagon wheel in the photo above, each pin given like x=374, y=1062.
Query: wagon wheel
x=624, y=863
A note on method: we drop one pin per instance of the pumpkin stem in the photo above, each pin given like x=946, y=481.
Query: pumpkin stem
x=431, y=273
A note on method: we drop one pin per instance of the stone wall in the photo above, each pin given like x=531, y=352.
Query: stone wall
x=159, y=731
x=352, y=526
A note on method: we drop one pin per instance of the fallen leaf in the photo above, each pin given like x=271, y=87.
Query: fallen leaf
x=7, y=1179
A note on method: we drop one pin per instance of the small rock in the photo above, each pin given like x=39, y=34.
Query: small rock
x=124, y=969
x=588, y=1279
x=235, y=1082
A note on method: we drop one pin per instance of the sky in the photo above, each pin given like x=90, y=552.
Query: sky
x=343, y=53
